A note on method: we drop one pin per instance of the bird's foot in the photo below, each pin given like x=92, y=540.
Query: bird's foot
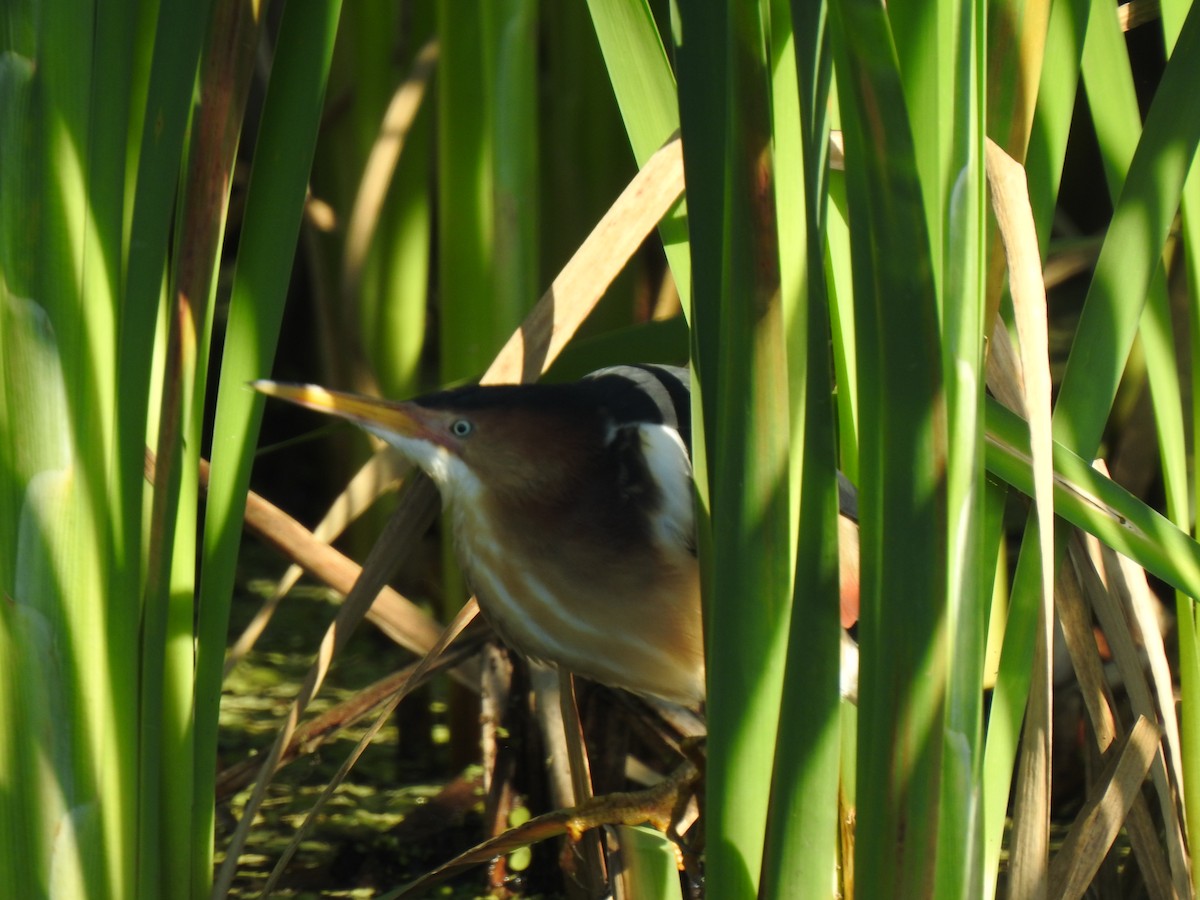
x=661, y=806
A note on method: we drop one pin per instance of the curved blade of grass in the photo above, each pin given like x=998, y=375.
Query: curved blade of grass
x=639, y=71
x=225, y=75
x=1088, y=500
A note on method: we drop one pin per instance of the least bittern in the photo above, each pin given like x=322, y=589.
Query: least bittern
x=573, y=516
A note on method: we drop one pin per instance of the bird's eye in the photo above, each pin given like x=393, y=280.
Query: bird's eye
x=461, y=428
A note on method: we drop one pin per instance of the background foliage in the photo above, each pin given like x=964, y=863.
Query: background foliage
x=878, y=201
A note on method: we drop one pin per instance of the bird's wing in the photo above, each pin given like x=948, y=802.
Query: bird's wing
x=647, y=394
x=661, y=395
x=673, y=520
x=649, y=410
x=847, y=498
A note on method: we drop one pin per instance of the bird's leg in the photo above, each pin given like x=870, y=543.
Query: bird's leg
x=498, y=756
x=594, y=873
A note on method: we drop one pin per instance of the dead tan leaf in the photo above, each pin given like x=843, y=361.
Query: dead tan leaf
x=1096, y=826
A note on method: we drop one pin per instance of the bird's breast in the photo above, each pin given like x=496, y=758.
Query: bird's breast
x=626, y=619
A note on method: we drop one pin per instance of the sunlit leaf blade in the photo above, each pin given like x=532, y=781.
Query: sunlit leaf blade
x=283, y=157
x=1014, y=76
x=70, y=575
x=1132, y=247
x=902, y=459
x=650, y=864
x=487, y=188
x=167, y=660
x=800, y=855
x=1085, y=498
x=388, y=233
x=957, y=159
x=644, y=85
x=1047, y=143
x=736, y=306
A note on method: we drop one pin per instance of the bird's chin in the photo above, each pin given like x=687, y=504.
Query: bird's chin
x=431, y=457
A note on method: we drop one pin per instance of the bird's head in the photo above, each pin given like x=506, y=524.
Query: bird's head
x=507, y=439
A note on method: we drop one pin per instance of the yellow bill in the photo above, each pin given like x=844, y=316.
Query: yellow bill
x=374, y=414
